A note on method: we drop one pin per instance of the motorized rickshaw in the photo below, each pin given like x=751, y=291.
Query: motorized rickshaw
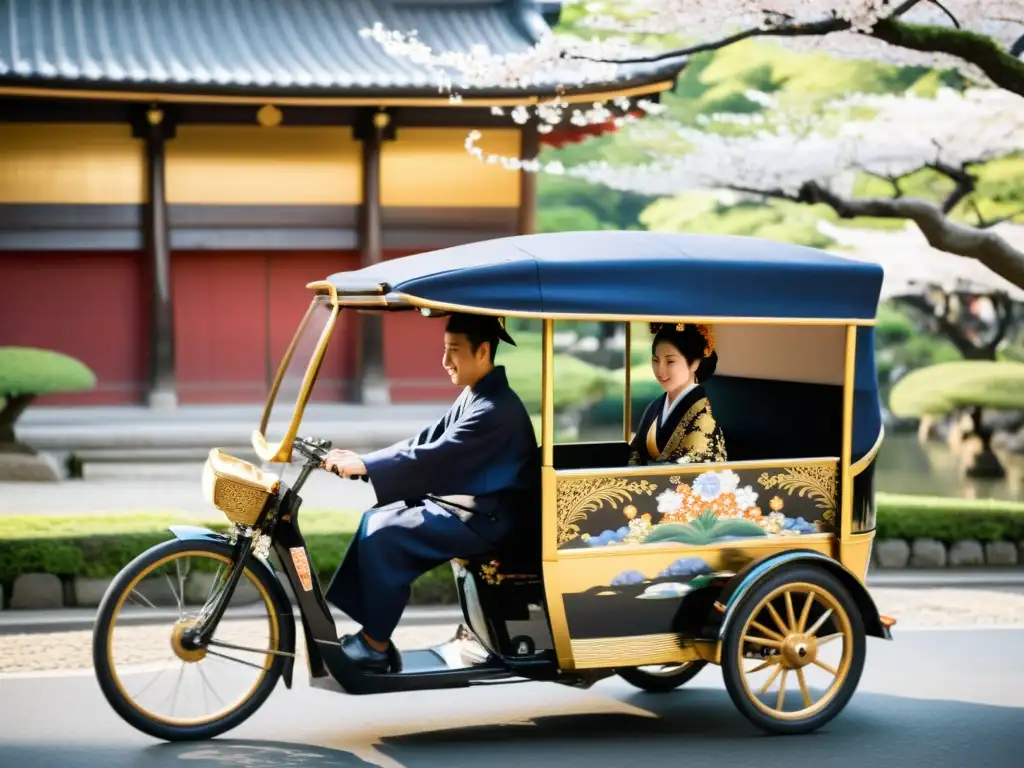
x=764, y=574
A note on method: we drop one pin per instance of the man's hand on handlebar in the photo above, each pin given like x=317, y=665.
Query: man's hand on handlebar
x=345, y=464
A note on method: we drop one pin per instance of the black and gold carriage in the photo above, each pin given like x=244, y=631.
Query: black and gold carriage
x=757, y=564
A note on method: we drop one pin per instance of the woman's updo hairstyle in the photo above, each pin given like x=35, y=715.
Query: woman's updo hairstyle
x=694, y=341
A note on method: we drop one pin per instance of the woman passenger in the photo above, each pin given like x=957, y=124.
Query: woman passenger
x=677, y=427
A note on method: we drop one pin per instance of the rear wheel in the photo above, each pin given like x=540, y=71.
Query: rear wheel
x=150, y=674
x=794, y=651
x=661, y=678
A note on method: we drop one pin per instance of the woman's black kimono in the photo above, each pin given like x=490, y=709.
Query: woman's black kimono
x=689, y=435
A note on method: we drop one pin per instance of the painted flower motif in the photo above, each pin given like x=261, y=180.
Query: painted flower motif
x=669, y=501
x=708, y=487
x=776, y=504
x=729, y=480
x=746, y=497
x=798, y=526
x=646, y=517
x=684, y=460
x=777, y=518
x=629, y=512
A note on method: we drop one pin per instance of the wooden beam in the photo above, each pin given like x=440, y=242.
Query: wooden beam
x=155, y=128
x=372, y=129
x=530, y=148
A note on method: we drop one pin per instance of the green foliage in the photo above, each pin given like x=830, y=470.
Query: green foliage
x=892, y=326
x=943, y=388
x=708, y=212
x=948, y=519
x=705, y=529
x=567, y=204
x=99, y=546
x=30, y=371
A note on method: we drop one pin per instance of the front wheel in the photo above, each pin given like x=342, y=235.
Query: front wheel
x=147, y=670
x=662, y=678
x=794, y=651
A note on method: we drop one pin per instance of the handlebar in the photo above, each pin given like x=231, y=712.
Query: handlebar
x=315, y=449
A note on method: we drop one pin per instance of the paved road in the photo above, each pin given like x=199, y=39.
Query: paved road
x=932, y=698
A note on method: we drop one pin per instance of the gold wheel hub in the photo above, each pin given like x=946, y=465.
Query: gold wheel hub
x=799, y=650
x=189, y=655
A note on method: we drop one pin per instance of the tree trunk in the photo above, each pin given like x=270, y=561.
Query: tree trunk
x=13, y=407
x=984, y=463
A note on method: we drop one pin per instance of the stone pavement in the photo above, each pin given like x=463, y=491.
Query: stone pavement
x=144, y=644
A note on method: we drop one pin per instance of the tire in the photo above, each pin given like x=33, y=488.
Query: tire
x=668, y=680
x=796, y=653
x=190, y=729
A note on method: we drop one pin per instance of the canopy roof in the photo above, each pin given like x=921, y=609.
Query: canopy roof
x=628, y=274
x=272, y=47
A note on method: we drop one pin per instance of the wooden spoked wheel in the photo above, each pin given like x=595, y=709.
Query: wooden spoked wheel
x=794, y=651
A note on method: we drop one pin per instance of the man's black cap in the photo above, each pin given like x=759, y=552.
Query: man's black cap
x=481, y=325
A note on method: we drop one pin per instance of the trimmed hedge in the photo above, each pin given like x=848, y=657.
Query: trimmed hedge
x=948, y=519
x=31, y=371
x=99, y=546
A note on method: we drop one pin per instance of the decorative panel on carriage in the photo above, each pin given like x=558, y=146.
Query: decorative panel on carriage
x=635, y=544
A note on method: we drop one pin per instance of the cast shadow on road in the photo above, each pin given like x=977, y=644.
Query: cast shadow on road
x=695, y=727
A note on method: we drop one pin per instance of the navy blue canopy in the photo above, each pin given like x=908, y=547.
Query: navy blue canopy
x=632, y=273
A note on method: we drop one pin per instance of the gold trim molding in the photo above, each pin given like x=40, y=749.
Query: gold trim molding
x=633, y=651
x=327, y=101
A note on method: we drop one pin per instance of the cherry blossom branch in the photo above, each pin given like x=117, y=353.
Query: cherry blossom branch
x=940, y=232
x=946, y=11
x=812, y=29
x=1002, y=68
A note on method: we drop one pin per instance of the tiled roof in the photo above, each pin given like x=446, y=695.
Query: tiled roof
x=262, y=47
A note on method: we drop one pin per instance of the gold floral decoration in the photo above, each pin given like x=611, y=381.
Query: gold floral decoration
x=817, y=482
x=489, y=573
x=578, y=498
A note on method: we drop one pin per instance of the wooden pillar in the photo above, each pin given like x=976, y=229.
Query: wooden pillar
x=162, y=391
x=529, y=149
x=372, y=129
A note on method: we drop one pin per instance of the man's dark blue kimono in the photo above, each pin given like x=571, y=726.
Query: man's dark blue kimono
x=483, y=455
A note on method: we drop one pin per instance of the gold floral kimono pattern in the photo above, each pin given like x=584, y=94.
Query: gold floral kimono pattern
x=689, y=435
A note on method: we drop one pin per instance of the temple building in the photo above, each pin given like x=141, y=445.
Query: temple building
x=172, y=174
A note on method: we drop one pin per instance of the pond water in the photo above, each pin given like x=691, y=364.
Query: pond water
x=906, y=466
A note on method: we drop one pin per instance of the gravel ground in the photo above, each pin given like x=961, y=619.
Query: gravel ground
x=145, y=645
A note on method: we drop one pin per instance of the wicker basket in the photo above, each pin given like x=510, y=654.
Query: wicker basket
x=237, y=488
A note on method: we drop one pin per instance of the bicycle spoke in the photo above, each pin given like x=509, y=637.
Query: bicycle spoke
x=803, y=688
x=821, y=620
x=762, y=641
x=212, y=689
x=766, y=686
x=148, y=601
x=780, y=703
x=777, y=619
x=805, y=613
x=790, y=613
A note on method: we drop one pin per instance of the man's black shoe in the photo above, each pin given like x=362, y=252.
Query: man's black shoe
x=358, y=651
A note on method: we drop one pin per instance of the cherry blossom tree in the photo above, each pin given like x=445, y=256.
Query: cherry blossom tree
x=805, y=158
x=818, y=161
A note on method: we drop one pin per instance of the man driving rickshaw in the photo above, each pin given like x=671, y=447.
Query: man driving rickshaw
x=447, y=492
